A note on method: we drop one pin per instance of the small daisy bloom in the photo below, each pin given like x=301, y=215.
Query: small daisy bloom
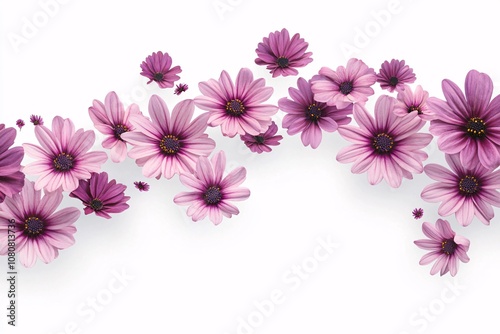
x=11, y=177
x=281, y=54
x=446, y=248
x=40, y=230
x=466, y=192
x=212, y=193
x=168, y=144
x=264, y=141
x=237, y=107
x=470, y=124
x=409, y=101
x=20, y=123
x=142, y=186
x=62, y=159
x=309, y=117
x=418, y=213
x=180, y=88
x=157, y=67
x=111, y=119
x=36, y=120
x=100, y=196
x=346, y=85
x=394, y=75
x=387, y=146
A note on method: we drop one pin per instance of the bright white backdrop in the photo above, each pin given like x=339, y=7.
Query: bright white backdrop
x=315, y=248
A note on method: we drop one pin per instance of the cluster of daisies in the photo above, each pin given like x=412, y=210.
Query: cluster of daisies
x=387, y=143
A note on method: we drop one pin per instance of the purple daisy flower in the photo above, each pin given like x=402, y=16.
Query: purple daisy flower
x=180, y=88
x=156, y=68
x=306, y=115
x=237, y=108
x=409, y=101
x=168, y=145
x=11, y=177
x=142, y=186
x=62, y=160
x=282, y=54
x=388, y=147
x=36, y=120
x=394, y=75
x=40, y=231
x=346, y=85
x=418, y=213
x=111, y=119
x=467, y=192
x=445, y=247
x=212, y=193
x=263, y=141
x=470, y=124
x=20, y=123
x=100, y=196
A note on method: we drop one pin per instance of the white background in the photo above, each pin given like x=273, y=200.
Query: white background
x=188, y=277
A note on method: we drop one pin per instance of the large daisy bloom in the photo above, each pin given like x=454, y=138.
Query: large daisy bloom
x=168, y=144
x=446, y=248
x=387, y=146
x=237, y=107
x=11, y=177
x=346, y=85
x=40, y=231
x=111, y=119
x=62, y=159
x=466, y=192
x=158, y=67
x=470, y=124
x=394, y=75
x=309, y=117
x=212, y=192
x=281, y=54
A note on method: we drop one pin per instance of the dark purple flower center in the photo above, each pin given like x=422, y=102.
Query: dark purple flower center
x=476, y=127
x=33, y=226
x=415, y=108
x=170, y=145
x=468, y=185
x=63, y=162
x=212, y=195
x=448, y=246
x=158, y=76
x=346, y=87
x=96, y=204
x=118, y=130
x=235, y=107
x=393, y=81
x=259, y=139
x=313, y=112
x=383, y=143
x=283, y=62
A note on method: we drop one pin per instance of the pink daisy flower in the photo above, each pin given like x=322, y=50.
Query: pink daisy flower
x=168, y=145
x=418, y=213
x=100, y=196
x=394, y=75
x=212, y=193
x=62, y=160
x=11, y=177
x=157, y=67
x=40, y=231
x=445, y=247
x=388, y=147
x=282, y=54
x=142, y=186
x=346, y=85
x=20, y=123
x=111, y=119
x=466, y=192
x=409, y=101
x=264, y=141
x=309, y=117
x=36, y=120
x=238, y=107
x=470, y=124
x=180, y=88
